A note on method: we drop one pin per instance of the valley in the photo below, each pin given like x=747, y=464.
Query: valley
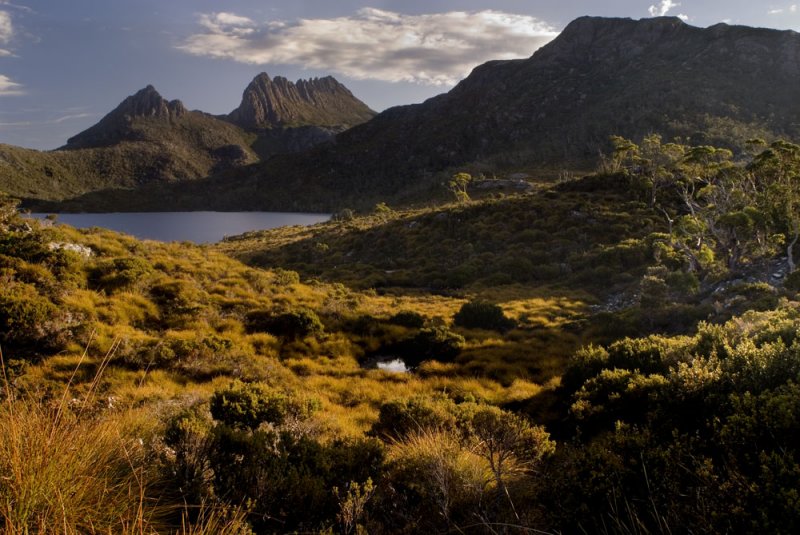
x=562, y=297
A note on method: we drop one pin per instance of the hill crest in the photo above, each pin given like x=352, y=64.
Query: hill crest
x=146, y=103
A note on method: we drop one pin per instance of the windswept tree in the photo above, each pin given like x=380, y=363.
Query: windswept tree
x=458, y=186
x=658, y=163
x=776, y=170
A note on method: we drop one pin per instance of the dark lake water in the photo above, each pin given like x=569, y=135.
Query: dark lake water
x=198, y=227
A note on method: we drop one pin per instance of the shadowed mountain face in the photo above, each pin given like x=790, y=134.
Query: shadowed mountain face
x=270, y=103
x=601, y=76
x=719, y=85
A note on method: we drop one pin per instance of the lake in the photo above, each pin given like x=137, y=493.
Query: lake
x=197, y=227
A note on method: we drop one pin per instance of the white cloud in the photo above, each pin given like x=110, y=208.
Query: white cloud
x=437, y=49
x=8, y=87
x=71, y=117
x=227, y=23
x=6, y=28
x=664, y=8
x=58, y=120
x=6, y=32
x=793, y=8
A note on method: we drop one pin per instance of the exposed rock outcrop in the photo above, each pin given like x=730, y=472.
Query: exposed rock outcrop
x=268, y=103
x=116, y=126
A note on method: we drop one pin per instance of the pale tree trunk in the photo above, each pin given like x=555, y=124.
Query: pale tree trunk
x=790, y=252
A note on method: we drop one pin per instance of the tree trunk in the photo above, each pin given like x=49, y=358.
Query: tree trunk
x=790, y=252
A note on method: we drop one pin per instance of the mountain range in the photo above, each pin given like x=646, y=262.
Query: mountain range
x=147, y=139
x=601, y=76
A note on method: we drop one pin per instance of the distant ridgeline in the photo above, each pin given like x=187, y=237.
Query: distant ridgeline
x=148, y=139
x=715, y=86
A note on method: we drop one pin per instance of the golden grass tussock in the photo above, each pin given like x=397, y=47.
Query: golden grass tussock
x=64, y=473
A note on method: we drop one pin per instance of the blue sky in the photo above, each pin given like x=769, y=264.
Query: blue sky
x=65, y=63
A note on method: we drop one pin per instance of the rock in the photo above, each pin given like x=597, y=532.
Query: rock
x=267, y=103
x=82, y=250
x=115, y=126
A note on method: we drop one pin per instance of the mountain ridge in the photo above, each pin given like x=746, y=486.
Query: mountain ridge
x=599, y=77
x=268, y=103
x=149, y=139
x=720, y=85
x=115, y=126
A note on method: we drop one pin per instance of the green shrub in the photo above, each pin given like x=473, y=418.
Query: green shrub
x=119, y=273
x=434, y=343
x=176, y=297
x=792, y=281
x=291, y=325
x=28, y=321
x=248, y=405
x=286, y=277
x=400, y=418
x=408, y=318
x=482, y=315
x=287, y=481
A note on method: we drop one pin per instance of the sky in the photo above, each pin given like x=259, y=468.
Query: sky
x=66, y=63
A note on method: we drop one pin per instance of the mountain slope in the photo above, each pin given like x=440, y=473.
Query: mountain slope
x=294, y=117
x=599, y=77
x=147, y=139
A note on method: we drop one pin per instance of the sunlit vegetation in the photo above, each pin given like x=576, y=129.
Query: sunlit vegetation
x=617, y=353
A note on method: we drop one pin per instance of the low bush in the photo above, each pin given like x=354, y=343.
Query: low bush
x=433, y=343
x=248, y=405
x=117, y=274
x=291, y=325
x=482, y=315
x=408, y=318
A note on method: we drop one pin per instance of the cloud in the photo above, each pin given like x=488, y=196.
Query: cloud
x=778, y=10
x=6, y=32
x=435, y=49
x=71, y=117
x=663, y=8
x=58, y=120
x=8, y=87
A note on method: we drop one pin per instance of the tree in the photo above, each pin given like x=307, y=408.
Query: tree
x=624, y=155
x=777, y=171
x=721, y=201
x=458, y=186
x=658, y=164
x=502, y=438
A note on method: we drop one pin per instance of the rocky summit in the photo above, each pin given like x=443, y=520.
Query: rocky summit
x=146, y=103
x=268, y=103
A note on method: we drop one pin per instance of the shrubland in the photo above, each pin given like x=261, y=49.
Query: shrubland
x=617, y=353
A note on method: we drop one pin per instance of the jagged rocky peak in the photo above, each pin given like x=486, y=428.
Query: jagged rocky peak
x=146, y=103
x=268, y=103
